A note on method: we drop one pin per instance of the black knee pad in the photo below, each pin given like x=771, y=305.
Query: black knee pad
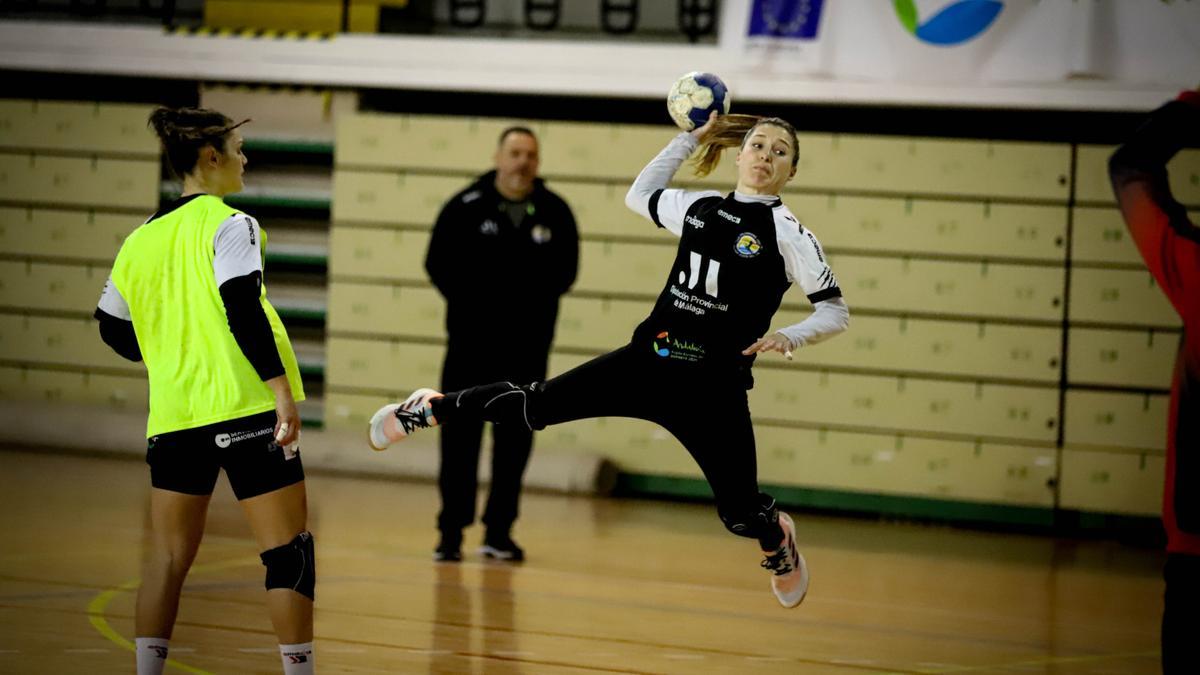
x=293, y=566
x=751, y=522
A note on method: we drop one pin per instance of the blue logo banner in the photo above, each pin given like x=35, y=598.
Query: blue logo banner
x=796, y=19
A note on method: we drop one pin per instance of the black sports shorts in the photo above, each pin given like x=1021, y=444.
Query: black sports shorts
x=188, y=461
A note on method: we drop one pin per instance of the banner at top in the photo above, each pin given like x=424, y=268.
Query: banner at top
x=971, y=41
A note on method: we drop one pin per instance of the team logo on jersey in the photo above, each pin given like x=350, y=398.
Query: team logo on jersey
x=679, y=350
x=747, y=245
x=540, y=234
x=225, y=440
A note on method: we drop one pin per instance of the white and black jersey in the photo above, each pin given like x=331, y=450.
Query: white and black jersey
x=735, y=261
x=737, y=256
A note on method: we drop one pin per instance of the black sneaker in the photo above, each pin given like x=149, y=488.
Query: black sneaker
x=449, y=549
x=501, y=548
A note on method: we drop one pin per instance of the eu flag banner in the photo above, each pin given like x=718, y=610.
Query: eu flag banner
x=794, y=19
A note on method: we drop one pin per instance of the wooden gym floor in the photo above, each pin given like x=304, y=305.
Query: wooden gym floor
x=610, y=587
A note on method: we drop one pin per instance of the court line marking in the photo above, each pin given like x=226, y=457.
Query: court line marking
x=96, y=610
x=98, y=604
x=953, y=669
x=552, y=634
x=841, y=663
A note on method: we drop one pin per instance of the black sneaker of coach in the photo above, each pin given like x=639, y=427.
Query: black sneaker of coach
x=449, y=549
x=501, y=547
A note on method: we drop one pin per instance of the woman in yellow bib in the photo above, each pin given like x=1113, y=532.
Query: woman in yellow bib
x=186, y=296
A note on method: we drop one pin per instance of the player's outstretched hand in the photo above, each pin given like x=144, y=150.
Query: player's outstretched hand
x=700, y=132
x=775, y=342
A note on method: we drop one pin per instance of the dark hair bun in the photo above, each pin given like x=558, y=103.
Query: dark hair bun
x=165, y=122
x=184, y=131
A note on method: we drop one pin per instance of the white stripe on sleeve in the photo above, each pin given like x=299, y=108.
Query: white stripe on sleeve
x=237, y=248
x=113, y=303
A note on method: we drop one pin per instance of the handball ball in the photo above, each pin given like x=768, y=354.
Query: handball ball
x=694, y=96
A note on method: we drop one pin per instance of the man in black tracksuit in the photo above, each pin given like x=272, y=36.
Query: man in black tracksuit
x=502, y=253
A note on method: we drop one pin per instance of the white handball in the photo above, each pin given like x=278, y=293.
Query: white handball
x=694, y=96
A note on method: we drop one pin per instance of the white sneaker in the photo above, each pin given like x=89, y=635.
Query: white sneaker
x=395, y=421
x=790, y=580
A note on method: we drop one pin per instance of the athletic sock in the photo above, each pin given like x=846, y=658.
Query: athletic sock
x=442, y=407
x=297, y=659
x=151, y=655
x=772, y=539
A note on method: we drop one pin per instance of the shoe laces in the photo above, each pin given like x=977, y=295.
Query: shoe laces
x=779, y=562
x=412, y=419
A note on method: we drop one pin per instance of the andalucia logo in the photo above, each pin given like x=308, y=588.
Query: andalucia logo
x=680, y=350
x=953, y=25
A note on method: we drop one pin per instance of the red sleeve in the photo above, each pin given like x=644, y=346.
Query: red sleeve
x=1167, y=239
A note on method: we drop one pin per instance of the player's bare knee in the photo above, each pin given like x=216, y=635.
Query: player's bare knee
x=292, y=566
x=172, y=559
x=163, y=566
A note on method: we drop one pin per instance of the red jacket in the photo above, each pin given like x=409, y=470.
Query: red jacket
x=1170, y=244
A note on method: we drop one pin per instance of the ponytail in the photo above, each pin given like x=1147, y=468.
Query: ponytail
x=731, y=131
